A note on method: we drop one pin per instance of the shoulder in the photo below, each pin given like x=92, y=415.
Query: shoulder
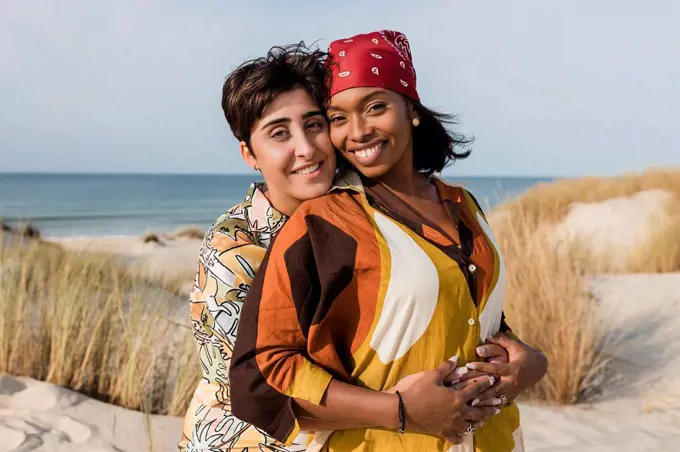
x=335, y=206
x=336, y=213
x=228, y=231
x=345, y=195
x=459, y=191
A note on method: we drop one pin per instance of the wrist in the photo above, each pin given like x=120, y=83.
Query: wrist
x=534, y=369
x=389, y=416
x=402, y=414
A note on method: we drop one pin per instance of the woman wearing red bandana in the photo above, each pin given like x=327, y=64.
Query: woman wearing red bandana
x=390, y=274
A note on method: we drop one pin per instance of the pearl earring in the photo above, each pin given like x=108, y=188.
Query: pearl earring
x=415, y=122
x=256, y=168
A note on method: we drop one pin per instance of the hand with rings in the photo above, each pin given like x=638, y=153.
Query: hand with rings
x=520, y=368
x=432, y=406
x=490, y=353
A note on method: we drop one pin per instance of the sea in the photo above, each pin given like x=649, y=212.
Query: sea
x=65, y=205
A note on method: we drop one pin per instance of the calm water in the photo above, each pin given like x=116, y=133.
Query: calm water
x=117, y=204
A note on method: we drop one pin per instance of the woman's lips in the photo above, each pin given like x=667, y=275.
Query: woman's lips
x=369, y=155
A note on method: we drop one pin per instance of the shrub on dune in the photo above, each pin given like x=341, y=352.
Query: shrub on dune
x=189, y=232
x=29, y=231
x=152, y=237
x=85, y=322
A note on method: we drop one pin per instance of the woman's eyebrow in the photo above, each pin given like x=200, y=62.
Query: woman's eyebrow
x=275, y=122
x=361, y=101
x=311, y=113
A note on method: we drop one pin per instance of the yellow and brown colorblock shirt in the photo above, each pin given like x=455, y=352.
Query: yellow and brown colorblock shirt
x=357, y=287
x=230, y=257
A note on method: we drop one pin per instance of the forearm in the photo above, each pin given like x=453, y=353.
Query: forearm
x=312, y=424
x=345, y=406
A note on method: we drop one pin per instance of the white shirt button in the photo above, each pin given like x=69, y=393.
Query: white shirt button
x=471, y=322
x=472, y=268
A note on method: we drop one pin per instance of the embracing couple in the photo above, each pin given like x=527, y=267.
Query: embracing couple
x=353, y=301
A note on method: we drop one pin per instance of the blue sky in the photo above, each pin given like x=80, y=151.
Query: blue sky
x=548, y=88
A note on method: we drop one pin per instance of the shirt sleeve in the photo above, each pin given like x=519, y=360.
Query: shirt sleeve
x=225, y=263
x=271, y=364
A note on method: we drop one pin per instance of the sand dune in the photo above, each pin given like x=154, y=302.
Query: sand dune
x=617, y=225
x=639, y=410
x=38, y=416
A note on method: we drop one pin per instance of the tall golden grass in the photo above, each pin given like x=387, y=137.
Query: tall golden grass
x=547, y=300
x=548, y=306
x=547, y=204
x=86, y=323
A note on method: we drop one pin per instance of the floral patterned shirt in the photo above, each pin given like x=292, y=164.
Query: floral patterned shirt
x=229, y=258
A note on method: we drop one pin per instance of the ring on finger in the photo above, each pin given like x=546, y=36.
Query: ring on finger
x=470, y=429
x=504, y=400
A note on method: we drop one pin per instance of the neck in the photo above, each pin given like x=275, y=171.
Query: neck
x=404, y=178
x=284, y=204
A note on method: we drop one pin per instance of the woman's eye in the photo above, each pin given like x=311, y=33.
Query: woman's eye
x=335, y=119
x=376, y=107
x=280, y=133
x=314, y=125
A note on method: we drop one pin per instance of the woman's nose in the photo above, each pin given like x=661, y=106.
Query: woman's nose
x=305, y=147
x=360, y=130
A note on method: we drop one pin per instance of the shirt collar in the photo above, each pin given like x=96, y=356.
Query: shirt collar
x=448, y=191
x=351, y=180
x=347, y=180
x=262, y=216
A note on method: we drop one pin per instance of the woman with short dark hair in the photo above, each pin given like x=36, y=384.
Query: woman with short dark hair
x=274, y=108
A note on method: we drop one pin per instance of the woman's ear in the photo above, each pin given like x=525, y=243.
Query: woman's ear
x=412, y=113
x=248, y=156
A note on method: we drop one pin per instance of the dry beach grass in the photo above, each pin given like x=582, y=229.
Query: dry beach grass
x=86, y=321
x=548, y=302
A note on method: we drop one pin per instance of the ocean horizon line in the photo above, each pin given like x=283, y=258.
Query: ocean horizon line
x=133, y=173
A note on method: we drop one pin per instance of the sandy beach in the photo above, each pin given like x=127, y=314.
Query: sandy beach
x=640, y=413
x=130, y=129
x=637, y=407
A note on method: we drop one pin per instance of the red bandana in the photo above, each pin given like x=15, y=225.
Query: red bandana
x=380, y=59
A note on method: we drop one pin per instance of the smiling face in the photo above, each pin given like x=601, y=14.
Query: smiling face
x=292, y=148
x=371, y=127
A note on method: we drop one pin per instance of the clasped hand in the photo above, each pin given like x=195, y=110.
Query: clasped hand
x=449, y=400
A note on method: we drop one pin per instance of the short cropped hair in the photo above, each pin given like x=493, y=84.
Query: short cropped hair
x=251, y=87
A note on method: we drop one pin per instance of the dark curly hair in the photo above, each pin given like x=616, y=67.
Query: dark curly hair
x=256, y=83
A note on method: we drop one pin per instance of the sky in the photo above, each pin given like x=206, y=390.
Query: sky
x=547, y=88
